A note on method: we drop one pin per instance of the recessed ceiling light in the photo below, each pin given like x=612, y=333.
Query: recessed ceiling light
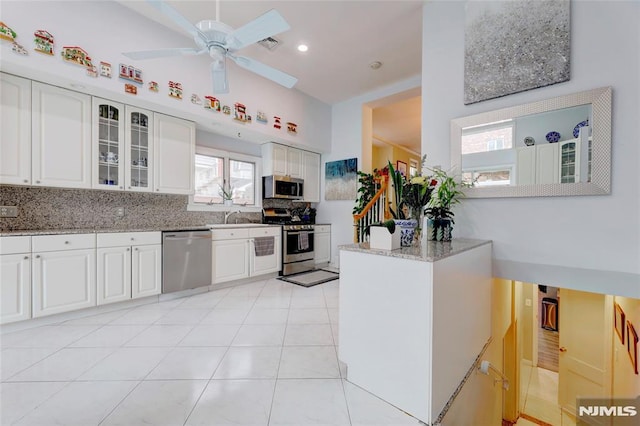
x=375, y=65
x=303, y=47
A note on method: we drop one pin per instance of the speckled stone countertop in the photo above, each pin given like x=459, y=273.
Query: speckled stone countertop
x=429, y=251
x=27, y=232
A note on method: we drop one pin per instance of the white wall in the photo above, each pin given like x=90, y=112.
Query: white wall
x=346, y=142
x=592, y=242
x=106, y=29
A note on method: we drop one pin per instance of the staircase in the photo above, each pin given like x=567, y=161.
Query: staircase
x=376, y=210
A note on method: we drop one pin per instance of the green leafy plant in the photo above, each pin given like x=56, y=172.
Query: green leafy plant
x=448, y=193
x=398, y=181
x=366, y=190
x=226, y=191
x=389, y=224
x=417, y=192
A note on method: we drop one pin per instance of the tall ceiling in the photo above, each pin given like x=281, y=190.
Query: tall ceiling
x=344, y=37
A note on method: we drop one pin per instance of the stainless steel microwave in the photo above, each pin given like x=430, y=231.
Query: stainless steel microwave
x=282, y=187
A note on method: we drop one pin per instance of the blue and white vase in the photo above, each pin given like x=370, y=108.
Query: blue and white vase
x=407, y=230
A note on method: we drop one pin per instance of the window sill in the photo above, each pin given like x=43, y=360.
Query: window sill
x=200, y=207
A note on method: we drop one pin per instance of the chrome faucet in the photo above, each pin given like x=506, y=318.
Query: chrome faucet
x=229, y=213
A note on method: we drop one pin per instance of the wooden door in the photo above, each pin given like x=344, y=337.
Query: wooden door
x=585, y=347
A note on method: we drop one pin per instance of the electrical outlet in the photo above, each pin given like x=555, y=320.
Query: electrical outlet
x=120, y=211
x=527, y=302
x=8, y=211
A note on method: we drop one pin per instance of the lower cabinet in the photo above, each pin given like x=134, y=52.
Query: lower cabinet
x=129, y=266
x=15, y=279
x=63, y=280
x=322, y=243
x=235, y=255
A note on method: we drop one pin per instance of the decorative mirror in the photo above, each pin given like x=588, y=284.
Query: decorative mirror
x=555, y=147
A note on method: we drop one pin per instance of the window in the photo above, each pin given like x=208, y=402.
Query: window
x=500, y=176
x=217, y=169
x=413, y=167
x=488, y=137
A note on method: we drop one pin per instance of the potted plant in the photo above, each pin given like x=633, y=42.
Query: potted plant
x=448, y=193
x=383, y=235
x=226, y=192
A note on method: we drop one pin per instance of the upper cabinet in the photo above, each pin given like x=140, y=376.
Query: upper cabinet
x=60, y=137
x=15, y=139
x=286, y=161
x=281, y=160
x=108, y=137
x=139, y=149
x=174, y=155
x=311, y=176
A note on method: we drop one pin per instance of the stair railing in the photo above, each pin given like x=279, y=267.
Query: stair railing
x=376, y=210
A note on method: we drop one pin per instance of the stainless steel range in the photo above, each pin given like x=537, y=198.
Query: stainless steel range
x=297, y=241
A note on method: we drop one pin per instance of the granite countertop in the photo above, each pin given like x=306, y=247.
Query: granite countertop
x=28, y=232
x=430, y=251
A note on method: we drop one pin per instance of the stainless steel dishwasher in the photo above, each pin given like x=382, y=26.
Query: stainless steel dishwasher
x=186, y=260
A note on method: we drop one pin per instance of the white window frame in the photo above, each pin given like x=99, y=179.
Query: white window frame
x=496, y=168
x=227, y=156
x=483, y=128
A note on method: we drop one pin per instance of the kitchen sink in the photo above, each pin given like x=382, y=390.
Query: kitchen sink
x=236, y=225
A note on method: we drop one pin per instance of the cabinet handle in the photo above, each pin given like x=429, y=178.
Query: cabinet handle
x=26, y=257
x=121, y=187
x=562, y=349
x=133, y=239
x=127, y=249
x=158, y=189
x=26, y=181
x=136, y=249
x=37, y=181
x=37, y=256
x=129, y=187
x=66, y=242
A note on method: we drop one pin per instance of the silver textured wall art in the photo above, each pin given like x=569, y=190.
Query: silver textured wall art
x=513, y=46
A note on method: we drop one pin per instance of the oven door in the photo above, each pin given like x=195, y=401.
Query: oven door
x=298, y=246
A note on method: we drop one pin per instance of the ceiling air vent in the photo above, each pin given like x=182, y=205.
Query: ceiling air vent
x=269, y=43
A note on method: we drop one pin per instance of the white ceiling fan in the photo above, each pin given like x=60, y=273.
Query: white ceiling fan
x=221, y=42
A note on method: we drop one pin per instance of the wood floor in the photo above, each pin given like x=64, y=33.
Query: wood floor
x=548, y=344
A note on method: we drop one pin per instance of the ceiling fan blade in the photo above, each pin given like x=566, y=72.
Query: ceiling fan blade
x=266, y=25
x=163, y=53
x=265, y=71
x=177, y=18
x=219, y=75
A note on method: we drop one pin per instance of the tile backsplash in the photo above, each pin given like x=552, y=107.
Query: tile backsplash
x=56, y=208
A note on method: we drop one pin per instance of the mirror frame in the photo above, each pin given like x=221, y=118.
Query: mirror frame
x=600, y=184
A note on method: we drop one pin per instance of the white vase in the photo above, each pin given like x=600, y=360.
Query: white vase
x=228, y=203
x=380, y=238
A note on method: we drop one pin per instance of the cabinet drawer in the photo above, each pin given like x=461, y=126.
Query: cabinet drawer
x=11, y=245
x=119, y=239
x=63, y=242
x=229, y=234
x=265, y=232
x=322, y=228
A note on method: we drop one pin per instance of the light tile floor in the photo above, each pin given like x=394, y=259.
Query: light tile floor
x=264, y=353
x=539, y=397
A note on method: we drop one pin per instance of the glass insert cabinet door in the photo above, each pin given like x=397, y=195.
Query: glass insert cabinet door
x=110, y=132
x=570, y=161
x=139, y=144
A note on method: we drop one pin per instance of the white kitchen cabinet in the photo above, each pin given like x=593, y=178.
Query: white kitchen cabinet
x=569, y=165
x=547, y=163
x=537, y=164
x=322, y=243
x=60, y=137
x=282, y=160
x=108, y=144
x=174, y=155
x=114, y=274
x=234, y=254
x=63, y=273
x=265, y=264
x=139, y=149
x=311, y=176
x=15, y=279
x=15, y=132
x=146, y=270
x=230, y=260
x=129, y=266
